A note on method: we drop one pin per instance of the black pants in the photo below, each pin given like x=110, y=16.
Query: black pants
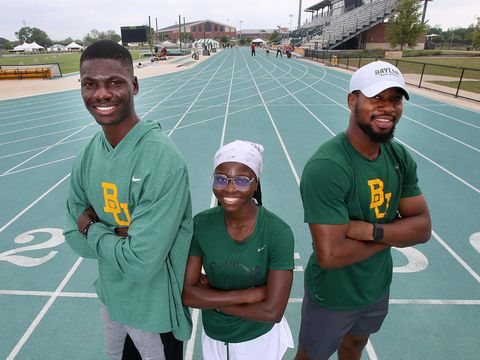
x=173, y=348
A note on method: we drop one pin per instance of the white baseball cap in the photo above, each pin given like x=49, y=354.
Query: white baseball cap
x=377, y=76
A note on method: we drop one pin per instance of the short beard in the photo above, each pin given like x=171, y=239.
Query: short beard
x=374, y=136
x=371, y=134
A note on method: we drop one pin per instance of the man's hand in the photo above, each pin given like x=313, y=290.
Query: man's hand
x=360, y=230
x=121, y=231
x=85, y=218
x=204, y=280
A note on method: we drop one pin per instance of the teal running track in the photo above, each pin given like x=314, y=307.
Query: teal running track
x=48, y=307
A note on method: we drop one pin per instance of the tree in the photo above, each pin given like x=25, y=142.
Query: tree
x=67, y=41
x=273, y=36
x=405, y=24
x=187, y=37
x=29, y=34
x=95, y=35
x=5, y=43
x=476, y=35
x=112, y=35
x=225, y=39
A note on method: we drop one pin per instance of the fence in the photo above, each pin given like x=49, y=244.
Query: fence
x=453, y=80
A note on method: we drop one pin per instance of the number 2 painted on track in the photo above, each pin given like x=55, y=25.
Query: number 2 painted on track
x=56, y=238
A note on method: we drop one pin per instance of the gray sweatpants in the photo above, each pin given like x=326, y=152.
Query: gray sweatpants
x=149, y=345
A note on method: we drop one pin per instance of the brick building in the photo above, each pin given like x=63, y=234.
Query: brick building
x=199, y=29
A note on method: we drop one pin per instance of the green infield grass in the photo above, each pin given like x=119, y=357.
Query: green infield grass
x=69, y=62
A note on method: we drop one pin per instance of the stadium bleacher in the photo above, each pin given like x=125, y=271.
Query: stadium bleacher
x=330, y=31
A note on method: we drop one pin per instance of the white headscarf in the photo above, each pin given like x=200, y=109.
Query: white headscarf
x=243, y=152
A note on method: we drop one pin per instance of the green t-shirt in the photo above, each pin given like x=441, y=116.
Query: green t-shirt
x=233, y=265
x=339, y=184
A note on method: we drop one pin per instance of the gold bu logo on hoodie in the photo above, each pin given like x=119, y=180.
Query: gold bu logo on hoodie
x=112, y=205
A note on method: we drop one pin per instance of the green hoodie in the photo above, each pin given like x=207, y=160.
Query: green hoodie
x=142, y=183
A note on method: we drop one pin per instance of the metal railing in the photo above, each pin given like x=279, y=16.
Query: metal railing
x=460, y=82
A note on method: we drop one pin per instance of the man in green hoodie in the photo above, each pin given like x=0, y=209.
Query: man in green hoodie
x=129, y=208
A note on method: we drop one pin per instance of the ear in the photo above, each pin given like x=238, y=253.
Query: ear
x=352, y=100
x=136, y=86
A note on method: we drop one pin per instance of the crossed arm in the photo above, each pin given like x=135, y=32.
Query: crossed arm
x=342, y=245
x=264, y=303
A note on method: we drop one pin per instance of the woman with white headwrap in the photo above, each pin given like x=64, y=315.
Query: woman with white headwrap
x=247, y=254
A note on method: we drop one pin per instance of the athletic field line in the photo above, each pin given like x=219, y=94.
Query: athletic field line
x=44, y=310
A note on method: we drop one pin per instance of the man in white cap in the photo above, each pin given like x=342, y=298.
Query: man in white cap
x=361, y=197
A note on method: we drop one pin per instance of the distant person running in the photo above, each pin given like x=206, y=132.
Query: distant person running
x=253, y=49
x=279, y=51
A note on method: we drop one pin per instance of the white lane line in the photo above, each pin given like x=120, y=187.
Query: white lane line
x=424, y=107
x=196, y=98
x=465, y=302
x=442, y=133
x=440, y=166
x=196, y=312
x=170, y=95
x=40, y=136
x=69, y=294
x=448, y=116
x=402, y=142
x=43, y=147
x=92, y=295
x=39, y=126
x=433, y=302
x=419, y=123
x=44, y=310
x=290, y=162
x=457, y=257
x=371, y=351
x=79, y=130
x=48, y=148
x=33, y=203
x=37, y=166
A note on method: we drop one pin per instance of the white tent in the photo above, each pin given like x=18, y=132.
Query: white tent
x=35, y=47
x=167, y=44
x=26, y=47
x=20, y=47
x=74, y=46
x=207, y=42
x=57, y=47
x=259, y=41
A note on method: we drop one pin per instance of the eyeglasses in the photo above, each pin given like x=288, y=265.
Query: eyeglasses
x=241, y=183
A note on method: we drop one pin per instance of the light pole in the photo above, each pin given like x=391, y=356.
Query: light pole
x=299, y=14
x=240, y=32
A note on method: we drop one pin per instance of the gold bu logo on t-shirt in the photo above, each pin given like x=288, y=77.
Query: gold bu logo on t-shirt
x=112, y=205
x=379, y=199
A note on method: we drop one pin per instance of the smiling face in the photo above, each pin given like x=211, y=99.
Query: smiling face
x=230, y=198
x=377, y=116
x=108, y=88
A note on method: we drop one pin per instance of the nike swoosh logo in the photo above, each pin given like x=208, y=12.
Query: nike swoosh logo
x=134, y=179
x=260, y=249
